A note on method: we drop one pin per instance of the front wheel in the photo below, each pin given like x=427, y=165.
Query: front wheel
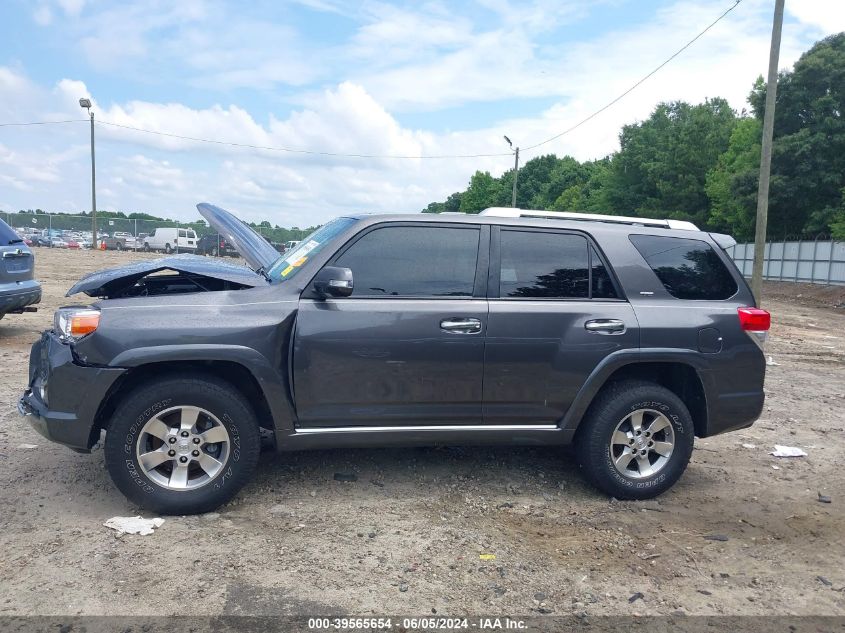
x=182, y=445
x=636, y=440
x=167, y=249
x=146, y=247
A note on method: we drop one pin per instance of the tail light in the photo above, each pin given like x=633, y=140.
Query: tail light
x=754, y=319
x=756, y=322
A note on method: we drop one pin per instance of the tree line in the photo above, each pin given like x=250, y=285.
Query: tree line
x=701, y=162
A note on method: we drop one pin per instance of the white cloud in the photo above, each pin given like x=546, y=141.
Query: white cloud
x=423, y=58
x=71, y=7
x=43, y=16
x=827, y=16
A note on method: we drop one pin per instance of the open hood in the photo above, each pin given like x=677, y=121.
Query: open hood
x=257, y=251
x=117, y=281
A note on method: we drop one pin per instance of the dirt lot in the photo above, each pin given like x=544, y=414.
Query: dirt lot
x=742, y=533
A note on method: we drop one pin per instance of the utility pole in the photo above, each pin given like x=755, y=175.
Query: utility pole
x=515, y=171
x=86, y=103
x=766, y=157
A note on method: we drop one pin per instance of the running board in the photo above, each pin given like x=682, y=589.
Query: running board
x=451, y=427
x=381, y=436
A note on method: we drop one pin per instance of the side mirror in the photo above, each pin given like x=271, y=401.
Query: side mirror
x=333, y=281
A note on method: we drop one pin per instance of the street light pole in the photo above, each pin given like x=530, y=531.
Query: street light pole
x=86, y=103
x=515, y=171
x=766, y=157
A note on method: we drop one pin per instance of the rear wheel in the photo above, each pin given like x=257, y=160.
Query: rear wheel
x=167, y=249
x=146, y=247
x=182, y=445
x=636, y=440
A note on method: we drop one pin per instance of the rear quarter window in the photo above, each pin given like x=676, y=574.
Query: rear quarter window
x=8, y=235
x=687, y=268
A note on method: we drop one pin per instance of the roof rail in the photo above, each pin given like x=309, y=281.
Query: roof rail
x=510, y=212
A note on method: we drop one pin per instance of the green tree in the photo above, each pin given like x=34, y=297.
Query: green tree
x=732, y=183
x=662, y=164
x=808, y=155
x=482, y=193
x=570, y=199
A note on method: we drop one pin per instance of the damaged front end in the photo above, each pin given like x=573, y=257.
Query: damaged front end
x=178, y=274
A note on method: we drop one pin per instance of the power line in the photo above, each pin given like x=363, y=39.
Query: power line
x=638, y=83
x=42, y=123
x=293, y=150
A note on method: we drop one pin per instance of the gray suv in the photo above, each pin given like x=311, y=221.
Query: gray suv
x=18, y=290
x=626, y=337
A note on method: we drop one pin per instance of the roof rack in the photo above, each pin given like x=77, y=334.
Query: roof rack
x=510, y=212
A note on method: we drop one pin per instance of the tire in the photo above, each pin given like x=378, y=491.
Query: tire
x=134, y=430
x=214, y=252
x=167, y=249
x=119, y=246
x=146, y=247
x=617, y=408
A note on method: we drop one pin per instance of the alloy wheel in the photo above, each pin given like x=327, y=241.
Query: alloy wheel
x=182, y=448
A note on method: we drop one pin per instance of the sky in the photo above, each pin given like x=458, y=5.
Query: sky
x=383, y=79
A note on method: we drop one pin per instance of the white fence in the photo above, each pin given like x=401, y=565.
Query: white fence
x=814, y=261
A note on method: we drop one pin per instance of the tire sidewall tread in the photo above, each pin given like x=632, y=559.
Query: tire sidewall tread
x=214, y=395
x=609, y=408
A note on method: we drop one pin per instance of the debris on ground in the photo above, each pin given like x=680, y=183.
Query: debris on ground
x=637, y=596
x=487, y=556
x=716, y=537
x=824, y=498
x=824, y=581
x=749, y=446
x=27, y=446
x=788, y=451
x=771, y=362
x=133, y=525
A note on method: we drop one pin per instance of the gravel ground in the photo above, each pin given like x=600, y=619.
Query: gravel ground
x=457, y=530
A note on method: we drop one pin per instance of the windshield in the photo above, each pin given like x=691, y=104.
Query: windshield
x=7, y=235
x=290, y=265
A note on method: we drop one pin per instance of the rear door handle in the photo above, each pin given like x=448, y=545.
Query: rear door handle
x=461, y=325
x=605, y=326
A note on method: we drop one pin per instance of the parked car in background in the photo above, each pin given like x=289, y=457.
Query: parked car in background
x=72, y=243
x=170, y=239
x=57, y=242
x=214, y=244
x=18, y=289
x=279, y=246
x=113, y=243
x=289, y=246
x=625, y=337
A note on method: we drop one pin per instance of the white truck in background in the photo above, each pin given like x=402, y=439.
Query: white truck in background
x=171, y=239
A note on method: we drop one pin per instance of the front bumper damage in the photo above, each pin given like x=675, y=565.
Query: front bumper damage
x=63, y=395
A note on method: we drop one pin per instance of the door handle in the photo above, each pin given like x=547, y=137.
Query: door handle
x=461, y=326
x=605, y=326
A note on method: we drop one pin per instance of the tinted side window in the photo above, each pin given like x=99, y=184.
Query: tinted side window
x=536, y=264
x=688, y=269
x=601, y=286
x=413, y=261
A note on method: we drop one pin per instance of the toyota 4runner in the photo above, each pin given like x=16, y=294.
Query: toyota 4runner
x=626, y=337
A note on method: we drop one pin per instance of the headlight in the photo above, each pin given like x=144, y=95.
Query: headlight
x=74, y=323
